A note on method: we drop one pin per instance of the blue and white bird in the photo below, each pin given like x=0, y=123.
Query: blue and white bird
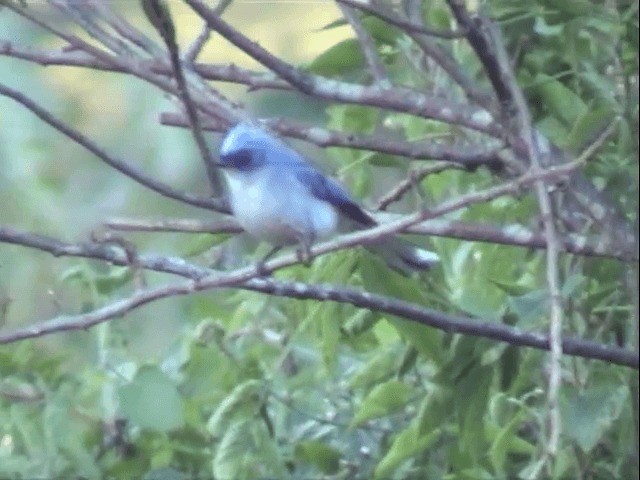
x=280, y=198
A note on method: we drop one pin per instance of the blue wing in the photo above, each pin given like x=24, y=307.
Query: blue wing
x=326, y=189
x=320, y=186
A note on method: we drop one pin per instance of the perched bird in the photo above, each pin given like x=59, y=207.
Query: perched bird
x=280, y=198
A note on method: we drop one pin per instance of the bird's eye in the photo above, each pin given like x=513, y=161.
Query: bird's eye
x=240, y=159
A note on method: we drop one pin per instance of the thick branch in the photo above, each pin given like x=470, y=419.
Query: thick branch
x=469, y=156
x=398, y=99
x=243, y=279
x=515, y=235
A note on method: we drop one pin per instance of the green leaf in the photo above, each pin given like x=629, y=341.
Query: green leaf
x=340, y=22
x=245, y=394
x=382, y=400
x=330, y=328
x=587, y=128
x=380, y=30
x=405, y=445
x=151, y=400
x=115, y=278
x=470, y=400
x=200, y=243
x=317, y=453
x=360, y=322
x=352, y=118
x=511, y=288
x=530, y=307
x=231, y=454
x=380, y=365
x=541, y=27
x=434, y=410
x=385, y=160
x=343, y=57
x=506, y=441
x=560, y=100
x=588, y=414
x=246, y=451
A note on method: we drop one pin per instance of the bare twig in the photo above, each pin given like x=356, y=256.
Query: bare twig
x=123, y=167
x=174, y=225
x=399, y=99
x=198, y=44
x=398, y=21
x=526, y=133
x=515, y=235
x=368, y=46
x=244, y=278
x=160, y=17
x=470, y=156
x=415, y=176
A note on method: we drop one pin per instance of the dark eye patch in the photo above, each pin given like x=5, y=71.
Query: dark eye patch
x=240, y=159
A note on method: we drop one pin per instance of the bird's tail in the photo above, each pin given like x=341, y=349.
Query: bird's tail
x=404, y=256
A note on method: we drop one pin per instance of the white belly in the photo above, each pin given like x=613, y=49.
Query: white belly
x=278, y=210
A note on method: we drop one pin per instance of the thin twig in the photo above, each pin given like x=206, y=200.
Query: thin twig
x=183, y=225
x=393, y=19
x=160, y=17
x=198, y=44
x=245, y=279
x=368, y=46
x=515, y=235
x=526, y=132
x=415, y=176
x=123, y=167
x=469, y=156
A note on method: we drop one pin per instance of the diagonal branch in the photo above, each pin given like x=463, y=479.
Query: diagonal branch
x=398, y=21
x=368, y=46
x=515, y=107
x=159, y=15
x=398, y=99
x=244, y=278
x=469, y=156
x=515, y=235
x=123, y=167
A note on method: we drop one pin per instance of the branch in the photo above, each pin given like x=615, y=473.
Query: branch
x=368, y=46
x=398, y=99
x=183, y=225
x=513, y=98
x=159, y=15
x=415, y=176
x=477, y=32
x=469, y=156
x=398, y=21
x=514, y=235
x=123, y=167
x=413, y=312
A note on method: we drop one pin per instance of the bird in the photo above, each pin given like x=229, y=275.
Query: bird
x=278, y=197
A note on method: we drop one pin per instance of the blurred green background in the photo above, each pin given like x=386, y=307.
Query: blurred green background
x=52, y=186
x=238, y=384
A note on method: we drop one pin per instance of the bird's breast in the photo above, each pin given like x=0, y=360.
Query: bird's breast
x=278, y=209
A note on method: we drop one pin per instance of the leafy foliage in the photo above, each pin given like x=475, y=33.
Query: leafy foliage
x=261, y=387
